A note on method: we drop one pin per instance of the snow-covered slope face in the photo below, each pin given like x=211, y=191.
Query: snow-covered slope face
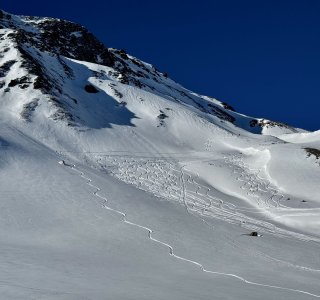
x=202, y=177
x=36, y=53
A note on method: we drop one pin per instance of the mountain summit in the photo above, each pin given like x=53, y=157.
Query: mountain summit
x=48, y=53
x=119, y=183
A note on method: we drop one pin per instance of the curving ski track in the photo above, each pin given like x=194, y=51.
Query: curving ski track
x=170, y=248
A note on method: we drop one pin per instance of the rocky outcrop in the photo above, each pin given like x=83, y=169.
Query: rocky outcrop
x=59, y=37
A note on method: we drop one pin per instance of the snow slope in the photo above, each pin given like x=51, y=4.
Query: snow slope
x=158, y=188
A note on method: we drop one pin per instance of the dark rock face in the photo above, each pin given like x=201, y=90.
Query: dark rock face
x=162, y=116
x=22, y=82
x=90, y=89
x=115, y=91
x=68, y=39
x=74, y=41
x=127, y=75
x=313, y=151
x=253, y=123
x=221, y=114
x=5, y=68
x=59, y=37
x=42, y=81
x=28, y=109
x=267, y=123
x=122, y=53
x=227, y=106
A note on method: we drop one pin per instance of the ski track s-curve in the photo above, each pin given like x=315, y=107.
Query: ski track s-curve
x=170, y=248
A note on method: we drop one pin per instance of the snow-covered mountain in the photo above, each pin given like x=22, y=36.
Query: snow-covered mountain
x=158, y=188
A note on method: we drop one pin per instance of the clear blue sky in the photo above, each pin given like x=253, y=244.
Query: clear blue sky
x=263, y=57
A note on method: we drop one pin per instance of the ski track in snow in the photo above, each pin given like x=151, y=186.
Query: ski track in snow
x=170, y=248
x=255, y=185
x=161, y=175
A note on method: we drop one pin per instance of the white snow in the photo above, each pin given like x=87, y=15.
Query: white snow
x=126, y=205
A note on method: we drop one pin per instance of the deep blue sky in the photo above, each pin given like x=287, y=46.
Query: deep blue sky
x=263, y=57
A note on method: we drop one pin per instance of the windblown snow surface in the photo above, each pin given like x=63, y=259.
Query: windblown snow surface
x=147, y=191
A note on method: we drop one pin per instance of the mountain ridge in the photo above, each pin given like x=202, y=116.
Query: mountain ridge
x=35, y=37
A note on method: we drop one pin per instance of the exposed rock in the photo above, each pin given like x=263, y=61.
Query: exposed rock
x=122, y=53
x=20, y=81
x=162, y=116
x=28, y=109
x=123, y=103
x=5, y=68
x=42, y=81
x=268, y=123
x=313, y=151
x=221, y=114
x=227, y=106
x=89, y=88
x=253, y=123
x=61, y=38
